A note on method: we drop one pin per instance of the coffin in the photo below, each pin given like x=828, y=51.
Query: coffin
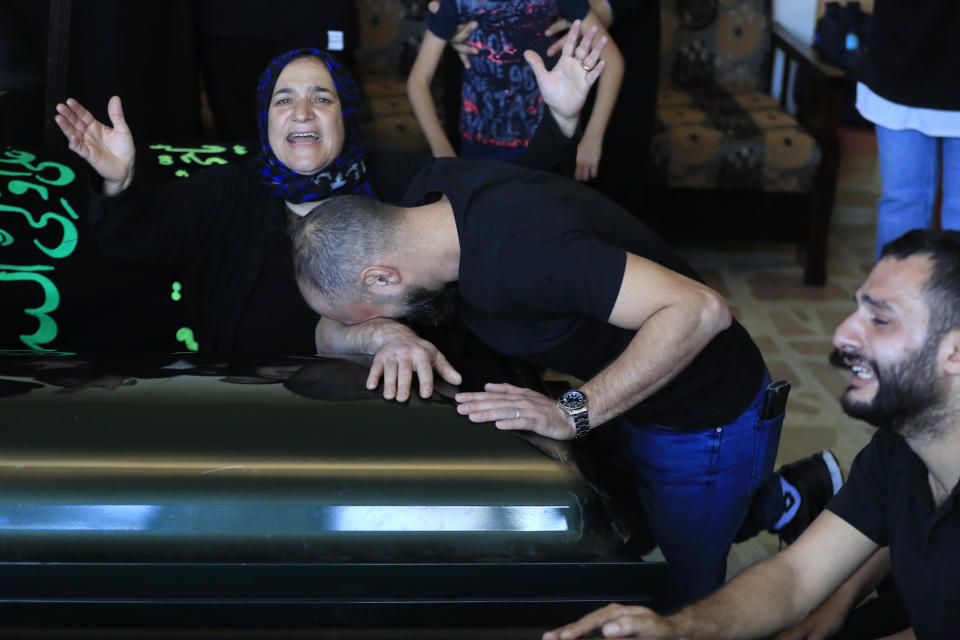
x=187, y=491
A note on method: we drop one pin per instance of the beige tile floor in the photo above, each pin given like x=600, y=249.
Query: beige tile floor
x=793, y=324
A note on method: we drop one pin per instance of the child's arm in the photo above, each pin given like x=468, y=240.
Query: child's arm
x=418, y=89
x=591, y=145
x=829, y=616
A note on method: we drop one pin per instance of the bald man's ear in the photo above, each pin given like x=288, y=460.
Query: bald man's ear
x=378, y=276
x=950, y=352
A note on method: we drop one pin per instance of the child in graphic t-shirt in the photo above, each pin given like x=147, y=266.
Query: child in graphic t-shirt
x=501, y=104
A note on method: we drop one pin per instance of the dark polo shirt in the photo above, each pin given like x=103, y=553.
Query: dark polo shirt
x=888, y=499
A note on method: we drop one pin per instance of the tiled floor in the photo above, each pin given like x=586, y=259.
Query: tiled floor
x=793, y=324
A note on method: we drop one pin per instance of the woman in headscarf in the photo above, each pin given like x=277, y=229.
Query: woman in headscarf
x=309, y=129
x=225, y=229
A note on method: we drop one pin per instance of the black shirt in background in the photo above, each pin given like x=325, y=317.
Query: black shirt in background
x=915, y=53
x=888, y=499
x=542, y=261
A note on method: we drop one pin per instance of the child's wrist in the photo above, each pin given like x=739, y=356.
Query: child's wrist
x=593, y=130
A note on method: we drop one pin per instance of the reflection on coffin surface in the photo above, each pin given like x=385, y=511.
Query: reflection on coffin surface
x=184, y=491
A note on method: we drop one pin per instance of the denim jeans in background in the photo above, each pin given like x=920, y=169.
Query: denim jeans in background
x=701, y=490
x=910, y=171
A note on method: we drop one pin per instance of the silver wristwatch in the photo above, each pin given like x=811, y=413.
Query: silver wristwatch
x=575, y=403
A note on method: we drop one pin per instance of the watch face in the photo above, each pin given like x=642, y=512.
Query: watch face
x=573, y=400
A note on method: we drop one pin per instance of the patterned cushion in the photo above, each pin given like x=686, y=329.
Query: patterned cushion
x=722, y=41
x=710, y=137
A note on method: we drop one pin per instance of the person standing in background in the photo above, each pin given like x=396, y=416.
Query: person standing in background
x=635, y=26
x=911, y=92
x=501, y=105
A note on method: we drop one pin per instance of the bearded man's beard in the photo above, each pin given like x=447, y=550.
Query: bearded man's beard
x=909, y=400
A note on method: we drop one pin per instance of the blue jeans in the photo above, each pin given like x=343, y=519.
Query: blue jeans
x=701, y=490
x=910, y=169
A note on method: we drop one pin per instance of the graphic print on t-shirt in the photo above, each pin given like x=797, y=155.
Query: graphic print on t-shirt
x=501, y=102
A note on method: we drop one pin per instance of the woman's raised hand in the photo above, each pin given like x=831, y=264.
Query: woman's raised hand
x=565, y=87
x=109, y=150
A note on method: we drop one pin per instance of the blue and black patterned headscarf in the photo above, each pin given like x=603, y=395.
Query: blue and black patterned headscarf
x=347, y=173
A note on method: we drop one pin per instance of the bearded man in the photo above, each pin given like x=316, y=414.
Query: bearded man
x=900, y=508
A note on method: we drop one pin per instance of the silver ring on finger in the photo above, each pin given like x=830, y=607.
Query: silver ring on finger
x=518, y=413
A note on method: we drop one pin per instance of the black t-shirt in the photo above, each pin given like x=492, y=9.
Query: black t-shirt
x=887, y=498
x=914, y=53
x=542, y=260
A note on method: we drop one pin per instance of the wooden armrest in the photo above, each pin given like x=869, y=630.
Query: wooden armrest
x=805, y=56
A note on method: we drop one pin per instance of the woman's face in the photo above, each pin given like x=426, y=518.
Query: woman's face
x=304, y=123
